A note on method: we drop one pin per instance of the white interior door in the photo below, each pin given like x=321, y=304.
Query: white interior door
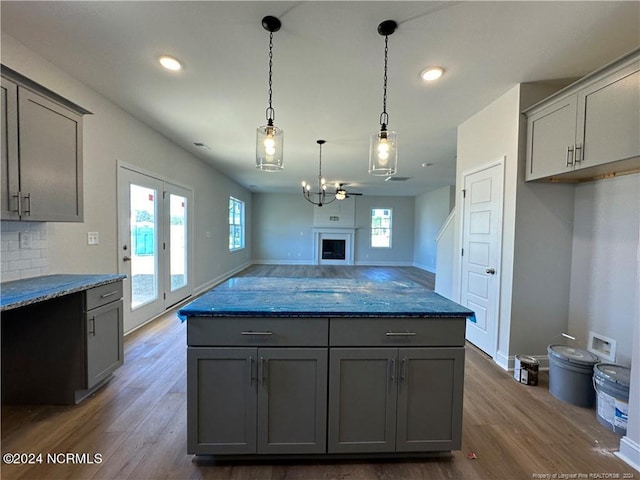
x=481, y=243
x=154, y=226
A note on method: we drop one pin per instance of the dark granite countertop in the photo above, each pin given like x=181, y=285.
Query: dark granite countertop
x=321, y=297
x=19, y=293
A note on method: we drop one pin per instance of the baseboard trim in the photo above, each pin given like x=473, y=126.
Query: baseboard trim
x=629, y=452
x=508, y=362
x=219, y=279
x=424, y=267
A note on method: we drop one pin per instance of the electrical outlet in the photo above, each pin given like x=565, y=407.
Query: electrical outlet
x=26, y=240
x=93, y=238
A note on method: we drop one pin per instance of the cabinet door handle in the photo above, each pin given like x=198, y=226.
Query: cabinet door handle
x=403, y=369
x=401, y=334
x=18, y=197
x=392, y=370
x=578, y=157
x=569, y=156
x=256, y=333
x=27, y=210
x=105, y=295
x=251, y=376
x=262, y=374
x=93, y=325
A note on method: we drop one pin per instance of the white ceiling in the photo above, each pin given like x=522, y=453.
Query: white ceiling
x=328, y=66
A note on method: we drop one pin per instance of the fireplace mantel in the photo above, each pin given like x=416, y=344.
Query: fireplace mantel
x=334, y=233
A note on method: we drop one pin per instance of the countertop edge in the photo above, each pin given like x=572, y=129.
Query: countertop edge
x=112, y=278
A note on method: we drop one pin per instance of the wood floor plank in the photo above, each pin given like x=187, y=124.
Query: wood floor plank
x=137, y=422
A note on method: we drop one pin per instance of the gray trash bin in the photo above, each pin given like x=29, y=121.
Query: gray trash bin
x=571, y=375
x=612, y=395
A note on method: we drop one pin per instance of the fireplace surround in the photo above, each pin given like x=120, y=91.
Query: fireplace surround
x=336, y=236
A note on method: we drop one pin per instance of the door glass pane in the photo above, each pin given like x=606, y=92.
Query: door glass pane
x=144, y=257
x=177, y=241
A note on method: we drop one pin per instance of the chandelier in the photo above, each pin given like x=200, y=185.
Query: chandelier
x=269, y=138
x=383, y=150
x=318, y=198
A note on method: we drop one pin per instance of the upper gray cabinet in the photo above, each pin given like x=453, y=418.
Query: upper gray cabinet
x=41, y=153
x=589, y=129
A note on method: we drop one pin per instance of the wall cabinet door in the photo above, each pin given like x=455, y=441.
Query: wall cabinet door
x=9, y=138
x=104, y=341
x=551, y=134
x=609, y=110
x=292, y=397
x=50, y=159
x=362, y=400
x=41, y=153
x=430, y=391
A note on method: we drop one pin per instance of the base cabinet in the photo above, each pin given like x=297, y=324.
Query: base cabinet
x=61, y=350
x=338, y=387
x=256, y=400
x=395, y=400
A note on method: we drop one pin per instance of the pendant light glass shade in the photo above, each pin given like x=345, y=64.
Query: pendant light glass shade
x=269, y=148
x=383, y=153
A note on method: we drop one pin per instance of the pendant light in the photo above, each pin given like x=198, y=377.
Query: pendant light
x=321, y=194
x=269, y=138
x=383, y=150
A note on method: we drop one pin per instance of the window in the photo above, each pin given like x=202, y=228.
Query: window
x=381, y=227
x=236, y=224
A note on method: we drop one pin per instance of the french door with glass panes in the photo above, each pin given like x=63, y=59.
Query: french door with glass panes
x=154, y=225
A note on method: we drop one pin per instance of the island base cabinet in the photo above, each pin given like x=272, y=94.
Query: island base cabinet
x=395, y=400
x=256, y=400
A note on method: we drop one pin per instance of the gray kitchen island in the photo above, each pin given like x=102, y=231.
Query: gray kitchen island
x=317, y=367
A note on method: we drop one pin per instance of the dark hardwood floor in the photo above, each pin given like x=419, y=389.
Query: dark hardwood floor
x=137, y=422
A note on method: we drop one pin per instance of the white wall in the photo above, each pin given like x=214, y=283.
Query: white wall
x=536, y=238
x=282, y=229
x=606, y=230
x=401, y=251
x=431, y=210
x=111, y=134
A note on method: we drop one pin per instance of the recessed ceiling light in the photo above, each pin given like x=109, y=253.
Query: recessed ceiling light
x=170, y=63
x=432, y=73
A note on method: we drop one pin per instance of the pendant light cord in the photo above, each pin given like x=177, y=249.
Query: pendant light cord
x=384, y=116
x=270, y=111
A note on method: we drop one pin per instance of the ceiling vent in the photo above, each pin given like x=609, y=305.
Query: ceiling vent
x=397, y=179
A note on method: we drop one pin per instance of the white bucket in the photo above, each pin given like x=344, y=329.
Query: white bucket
x=612, y=395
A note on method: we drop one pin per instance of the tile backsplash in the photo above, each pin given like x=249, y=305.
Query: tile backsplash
x=23, y=252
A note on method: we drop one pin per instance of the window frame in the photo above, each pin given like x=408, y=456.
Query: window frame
x=378, y=228
x=234, y=227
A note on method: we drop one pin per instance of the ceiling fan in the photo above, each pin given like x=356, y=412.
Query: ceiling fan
x=342, y=193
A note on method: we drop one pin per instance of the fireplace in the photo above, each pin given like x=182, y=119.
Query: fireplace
x=333, y=246
x=333, y=249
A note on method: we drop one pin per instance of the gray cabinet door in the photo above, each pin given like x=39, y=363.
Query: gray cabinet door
x=9, y=138
x=292, y=398
x=610, y=112
x=104, y=341
x=50, y=139
x=221, y=400
x=362, y=400
x=551, y=134
x=430, y=390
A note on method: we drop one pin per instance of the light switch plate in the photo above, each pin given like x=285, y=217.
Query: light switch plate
x=26, y=240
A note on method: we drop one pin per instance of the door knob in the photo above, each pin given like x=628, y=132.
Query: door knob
x=126, y=258
x=491, y=271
